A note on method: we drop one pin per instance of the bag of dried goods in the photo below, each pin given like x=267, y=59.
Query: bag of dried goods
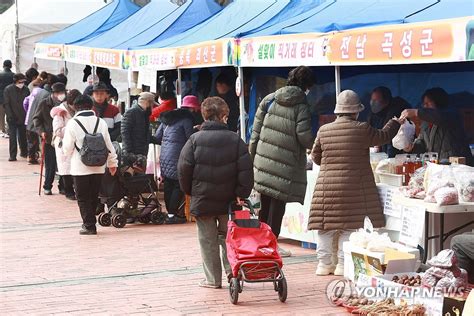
x=464, y=176
x=444, y=259
x=405, y=136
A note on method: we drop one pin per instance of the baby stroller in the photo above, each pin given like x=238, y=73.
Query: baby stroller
x=129, y=195
x=252, y=253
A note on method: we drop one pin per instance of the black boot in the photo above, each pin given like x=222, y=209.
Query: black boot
x=87, y=231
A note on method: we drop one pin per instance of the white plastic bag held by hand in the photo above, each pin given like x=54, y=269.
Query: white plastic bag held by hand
x=405, y=136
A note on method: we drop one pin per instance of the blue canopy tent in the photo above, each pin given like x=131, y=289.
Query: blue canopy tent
x=94, y=24
x=325, y=17
x=149, y=16
x=187, y=16
x=237, y=17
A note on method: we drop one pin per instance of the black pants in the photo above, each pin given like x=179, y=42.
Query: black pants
x=33, y=145
x=49, y=166
x=272, y=212
x=17, y=133
x=174, y=197
x=87, y=193
x=67, y=184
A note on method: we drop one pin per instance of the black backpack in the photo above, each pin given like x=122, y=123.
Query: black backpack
x=94, y=152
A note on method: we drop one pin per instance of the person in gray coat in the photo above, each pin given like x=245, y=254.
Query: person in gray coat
x=280, y=137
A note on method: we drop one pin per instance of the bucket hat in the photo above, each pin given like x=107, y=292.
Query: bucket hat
x=348, y=102
x=191, y=102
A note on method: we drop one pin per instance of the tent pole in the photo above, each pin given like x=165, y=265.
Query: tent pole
x=17, y=41
x=337, y=73
x=179, y=88
x=129, y=90
x=241, y=103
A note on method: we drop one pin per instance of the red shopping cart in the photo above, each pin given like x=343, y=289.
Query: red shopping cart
x=252, y=253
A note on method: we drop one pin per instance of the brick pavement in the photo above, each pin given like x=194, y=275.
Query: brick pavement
x=47, y=268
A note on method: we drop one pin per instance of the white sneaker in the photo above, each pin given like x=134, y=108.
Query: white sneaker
x=324, y=269
x=339, y=269
x=284, y=253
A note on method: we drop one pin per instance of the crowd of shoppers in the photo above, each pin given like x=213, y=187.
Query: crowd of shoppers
x=202, y=155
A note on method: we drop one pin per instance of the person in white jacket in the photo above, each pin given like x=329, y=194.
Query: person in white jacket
x=87, y=180
x=61, y=115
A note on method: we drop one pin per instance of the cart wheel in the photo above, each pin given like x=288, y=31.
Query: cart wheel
x=105, y=219
x=158, y=217
x=119, y=221
x=145, y=219
x=234, y=290
x=282, y=290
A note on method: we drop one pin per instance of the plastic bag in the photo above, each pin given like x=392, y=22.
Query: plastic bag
x=405, y=136
x=444, y=259
x=464, y=176
x=447, y=196
x=254, y=199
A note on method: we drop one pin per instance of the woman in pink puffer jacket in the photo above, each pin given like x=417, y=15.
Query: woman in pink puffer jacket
x=61, y=115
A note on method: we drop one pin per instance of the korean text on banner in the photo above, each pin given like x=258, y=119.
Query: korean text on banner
x=400, y=44
x=217, y=53
x=294, y=50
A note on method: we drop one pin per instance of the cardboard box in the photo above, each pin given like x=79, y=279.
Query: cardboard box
x=457, y=160
x=359, y=261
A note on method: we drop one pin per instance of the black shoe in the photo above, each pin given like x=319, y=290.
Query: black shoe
x=11, y=159
x=33, y=162
x=130, y=220
x=86, y=231
x=24, y=156
x=175, y=220
x=71, y=197
x=62, y=192
x=48, y=192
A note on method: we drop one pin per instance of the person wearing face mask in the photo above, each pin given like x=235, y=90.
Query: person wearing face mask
x=13, y=98
x=43, y=123
x=61, y=115
x=175, y=129
x=280, y=137
x=135, y=128
x=383, y=107
x=442, y=130
x=345, y=191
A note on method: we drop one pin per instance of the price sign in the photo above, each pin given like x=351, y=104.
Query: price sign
x=413, y=224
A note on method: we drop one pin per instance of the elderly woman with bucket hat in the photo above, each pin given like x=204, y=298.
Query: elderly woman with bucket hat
x=345, y=191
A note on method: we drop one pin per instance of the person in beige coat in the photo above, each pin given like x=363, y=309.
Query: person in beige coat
x=345, y=190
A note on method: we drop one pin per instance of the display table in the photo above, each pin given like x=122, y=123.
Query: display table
x=408, y=220
x=415, y=217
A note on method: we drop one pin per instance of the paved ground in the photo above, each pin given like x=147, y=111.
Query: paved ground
x=47, y=268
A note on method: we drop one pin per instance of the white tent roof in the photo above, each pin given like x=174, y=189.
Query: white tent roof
x=50, y=11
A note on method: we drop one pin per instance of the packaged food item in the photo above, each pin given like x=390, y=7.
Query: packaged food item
x=405, y=136
x=444, y=259
x=447, y=196
x=464, y=176
x=429, y=280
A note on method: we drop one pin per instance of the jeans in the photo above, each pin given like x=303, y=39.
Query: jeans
x=49, y=166
x=272, y=212
x=33, y=145
x=212, y=232
x=87, y=193
x=174, y=197
x=17, y=133
x=326, y=249
x=463, y=246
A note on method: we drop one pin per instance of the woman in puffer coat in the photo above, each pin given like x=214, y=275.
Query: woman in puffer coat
x=175, y=129
x=280, y=137
x=61, y=115
x=345, y=190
